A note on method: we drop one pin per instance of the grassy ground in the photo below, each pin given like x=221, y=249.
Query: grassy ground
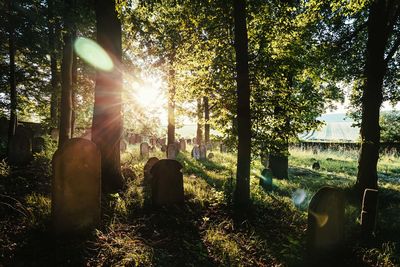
x=206, y=231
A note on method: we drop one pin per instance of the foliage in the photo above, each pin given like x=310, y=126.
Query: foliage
x=390, y=126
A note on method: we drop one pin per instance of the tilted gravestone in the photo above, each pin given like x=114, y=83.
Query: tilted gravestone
x=172, y=151
x=325, y=231
x=76, y=186
x=20, y=149
x=147, y=168
x=167, y=183
x=37, y=144
x=123, y=145
x=203, y=151
x=182, y=145
x=144, y=150
x=369, y=211
x=196, y=152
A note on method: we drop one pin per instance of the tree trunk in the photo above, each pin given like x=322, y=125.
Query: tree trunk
x=199, y=132
x=375, y=70
x=66, y=77
x=74, y=87
x=206, y=118
x=171, y=105
x=107, y=121
x=53, y=66
x=13, y=86
x=242, y=190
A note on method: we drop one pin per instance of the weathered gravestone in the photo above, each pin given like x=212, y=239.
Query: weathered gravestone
x=172, y=151
x=147, y=168
x=203, y=151
x=55, y=133
x=325, y=231
x=76, y=186
x=266, y=179
x=123, y=145
x=144, y=150
x=167, y=183
x=222, y=148
x=196, y=152
x=182, y=145
x=37, y=144
x=20, y=149
x=369, y=211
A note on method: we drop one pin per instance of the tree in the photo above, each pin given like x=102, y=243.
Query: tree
x=107, y=121
x=242, y=189
x=390, y=127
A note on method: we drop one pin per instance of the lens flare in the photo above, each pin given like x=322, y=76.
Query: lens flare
x=298, y=196
x=322, y=219
x=93, y=54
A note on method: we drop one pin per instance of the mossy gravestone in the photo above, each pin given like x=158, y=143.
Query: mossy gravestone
x=167, y=183
x=182, y=144
x=172, y=151
x=147, y=168
x=76, y=187
x=325, y=231
x=20, y=149
x=144, y=150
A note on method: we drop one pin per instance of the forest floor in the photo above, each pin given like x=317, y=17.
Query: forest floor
x=206, y=231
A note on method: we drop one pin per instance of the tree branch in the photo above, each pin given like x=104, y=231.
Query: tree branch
x=392, y=51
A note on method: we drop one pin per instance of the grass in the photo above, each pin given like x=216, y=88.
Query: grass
x=207, y=230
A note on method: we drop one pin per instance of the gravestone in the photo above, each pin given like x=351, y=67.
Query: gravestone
x=123, y=145
x=194, y=141
x=55, y=133
x=369, y=211
x=128, y=174
x=203, y=152
x=325, y=231
x=132, y=139
x=265, y=161
x=144, y=150
x=147, y=168
x=37, y=144
x=167, y=183
x=196, y=152
x=210, y=155
x=316, y=166
x=182, y=145
x=76, y=186
x=222, y=148
x=20, y=149
x=266, y=179
x=172, y=151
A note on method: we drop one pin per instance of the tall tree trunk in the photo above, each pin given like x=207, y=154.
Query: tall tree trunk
x=66, y=77
x=53, y=66
x=375, y=70
x=199, y=132
x=171, y=104
x=107, y=120
x=13, y=86
x=242, y=190
x=206, y=118
x=74, y=87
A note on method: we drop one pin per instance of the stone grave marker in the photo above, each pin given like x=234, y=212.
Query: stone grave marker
x=325, y=230
x=222, y=148
x=144, y=150
x=182, y=145
x=20, y=149
x=147, y=168
x=196, y=152
x=369, y=211
x=55, y=133
x=172, y=151
x=167, y=183
x=76, y=186
x=123, y=145
x=203, y=152
x=37, y=144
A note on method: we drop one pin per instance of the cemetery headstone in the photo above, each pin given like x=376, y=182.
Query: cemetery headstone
x=54, y=133
x=196, y=152
x=369, y=211
x=203, y=152
x=222, y=148
x=37, y=144
x=144, y=150
x=147, y=168
x=167, y=183
x=76, y=186
x=325, y=231
x=20, y=149
x=182, y=144
x=172, y=151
